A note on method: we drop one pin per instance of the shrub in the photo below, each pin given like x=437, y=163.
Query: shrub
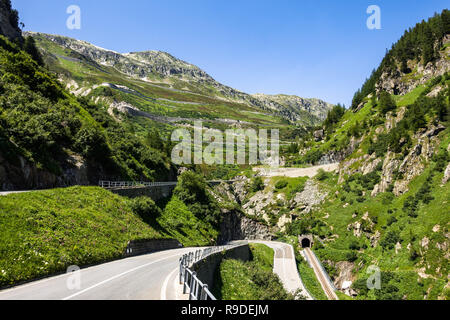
x=145, y=208
x=354, y=245
x=386, y=103
x=322, y=175
x=391, y=220
x=192, y=190
x=257, y=184
x=390, y=240
x=441, y=159
x=281, y=184
x=351, y=256
x=313, y=156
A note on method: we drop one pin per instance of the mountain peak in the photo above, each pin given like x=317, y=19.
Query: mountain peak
x=162, y=67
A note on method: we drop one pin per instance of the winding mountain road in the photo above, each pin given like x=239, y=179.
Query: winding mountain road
x=295, y=172
x=148, y=277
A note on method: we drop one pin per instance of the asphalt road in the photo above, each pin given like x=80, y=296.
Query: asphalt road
x=296, y=172
x=147, y=277
x=285, y=267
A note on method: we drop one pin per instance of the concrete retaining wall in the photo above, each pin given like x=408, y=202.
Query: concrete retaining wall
x=136, y=248
x=155, y=193
x=207, y=267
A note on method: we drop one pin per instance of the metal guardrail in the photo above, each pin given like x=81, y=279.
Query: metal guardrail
x=141, y=184
x=133, y=184
x=188, y=279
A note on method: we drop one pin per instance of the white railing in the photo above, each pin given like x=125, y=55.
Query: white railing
x=133, y=184
x=188, y=279
x=141, y=184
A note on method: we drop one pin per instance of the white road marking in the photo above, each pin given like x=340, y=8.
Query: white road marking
x=9, y=290
x=117, y=276
x=166, y=282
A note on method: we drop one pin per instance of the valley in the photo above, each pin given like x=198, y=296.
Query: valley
x=367, y=186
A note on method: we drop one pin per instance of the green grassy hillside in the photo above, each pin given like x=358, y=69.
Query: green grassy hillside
x=388, y=204
x=44, y=232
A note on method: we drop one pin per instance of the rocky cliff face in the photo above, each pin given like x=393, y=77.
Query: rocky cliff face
x=235, y=226
x=296, y=104
x=400, y=83
x=9, y=21
x=23, y=175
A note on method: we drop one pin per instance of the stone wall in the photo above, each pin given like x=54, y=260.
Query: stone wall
x=155, y=193
x=136, y=248
x=206, y=268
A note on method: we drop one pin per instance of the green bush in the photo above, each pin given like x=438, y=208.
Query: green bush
x=179, y=222
x=281, y=184
x=192, y=190
x=322, y=175
x=146, y=208
x=257, y=184
x=351, y=256
x=386, y=103
x=390, y=240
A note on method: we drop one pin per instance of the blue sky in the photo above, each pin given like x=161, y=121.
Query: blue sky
x=309, y=48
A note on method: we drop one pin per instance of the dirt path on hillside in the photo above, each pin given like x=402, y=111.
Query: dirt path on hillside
x=296, y=172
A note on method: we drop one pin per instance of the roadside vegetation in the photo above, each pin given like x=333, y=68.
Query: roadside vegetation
x=253, y=280
x=44, y=232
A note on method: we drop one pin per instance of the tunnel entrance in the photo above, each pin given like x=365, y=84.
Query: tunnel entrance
x=306, y=243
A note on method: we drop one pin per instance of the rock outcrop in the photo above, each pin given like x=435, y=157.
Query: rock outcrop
x=446, y=175
x=345, y=278
x=9, y=22
x=235, y=226
x=310, y=197
x=400, y=84
x=23, y=175
x=295, y=105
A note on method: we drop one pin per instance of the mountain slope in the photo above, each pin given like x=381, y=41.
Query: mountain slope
x=298, y=106
x=388, y=205
x=49, y=138
x=155, y=69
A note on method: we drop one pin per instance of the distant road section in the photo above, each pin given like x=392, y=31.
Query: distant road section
x=285, y=267
x=296, y=172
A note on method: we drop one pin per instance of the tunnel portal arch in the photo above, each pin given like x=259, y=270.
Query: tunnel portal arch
x=306, y=241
